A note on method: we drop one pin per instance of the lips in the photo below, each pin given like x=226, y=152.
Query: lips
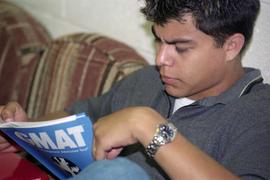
x=168, y=80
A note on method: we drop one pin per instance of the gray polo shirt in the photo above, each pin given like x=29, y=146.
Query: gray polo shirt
x=233, y=128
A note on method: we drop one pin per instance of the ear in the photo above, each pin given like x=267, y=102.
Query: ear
x=233, y=46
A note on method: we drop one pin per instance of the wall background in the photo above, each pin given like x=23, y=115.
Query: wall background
x=122, y=20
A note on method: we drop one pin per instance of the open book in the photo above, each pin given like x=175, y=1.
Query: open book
x=64, y=145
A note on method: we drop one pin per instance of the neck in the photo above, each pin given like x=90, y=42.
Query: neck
x=233, y=73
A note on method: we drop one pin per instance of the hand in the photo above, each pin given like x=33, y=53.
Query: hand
x=10, y=112
x=122, y=128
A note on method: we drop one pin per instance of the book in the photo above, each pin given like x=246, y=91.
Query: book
x=63, y=146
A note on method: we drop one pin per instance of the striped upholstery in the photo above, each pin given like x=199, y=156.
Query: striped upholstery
x=22, y=40
x=79, y=66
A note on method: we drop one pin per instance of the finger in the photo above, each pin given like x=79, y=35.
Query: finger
x=2, y=137
x=98, y=150
x=99, y=153
x=4, y=145
x=7, y=116
x=112, y=154
x=7, y=148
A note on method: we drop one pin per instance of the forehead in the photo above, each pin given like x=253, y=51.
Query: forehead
x=174, y=29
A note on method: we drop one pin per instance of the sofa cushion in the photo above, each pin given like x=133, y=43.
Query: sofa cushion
x=23, y=40
x=79, y=66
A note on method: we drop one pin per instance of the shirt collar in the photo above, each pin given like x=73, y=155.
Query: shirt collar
x=242, y=87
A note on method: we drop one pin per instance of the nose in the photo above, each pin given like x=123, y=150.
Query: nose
x=163, y=57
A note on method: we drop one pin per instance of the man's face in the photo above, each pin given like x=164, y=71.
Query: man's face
x=189, y=62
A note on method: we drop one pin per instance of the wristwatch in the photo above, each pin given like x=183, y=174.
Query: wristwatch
x=165, y=133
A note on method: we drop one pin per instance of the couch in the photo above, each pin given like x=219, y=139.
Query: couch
x=45, y=74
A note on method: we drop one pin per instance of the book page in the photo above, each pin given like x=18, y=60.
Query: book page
x=28, y=124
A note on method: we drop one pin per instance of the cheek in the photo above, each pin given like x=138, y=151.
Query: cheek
x=203, y=67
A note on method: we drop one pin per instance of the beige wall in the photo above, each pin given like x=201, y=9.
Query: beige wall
x=121, y=19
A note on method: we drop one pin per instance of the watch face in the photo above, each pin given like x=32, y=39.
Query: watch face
x=165, y=134
x=168, y=131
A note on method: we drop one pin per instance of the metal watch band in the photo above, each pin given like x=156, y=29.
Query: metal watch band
x=165, y=133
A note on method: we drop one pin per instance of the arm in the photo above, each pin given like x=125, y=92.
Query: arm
x=180, y=159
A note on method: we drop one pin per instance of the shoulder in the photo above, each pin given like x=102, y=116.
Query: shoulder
x=252, y=108
x=259, y=95
x=247, y=110
x=143, y=78
x=148, y=72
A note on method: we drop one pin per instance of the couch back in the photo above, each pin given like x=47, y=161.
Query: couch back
x=45, y=75
x=79, y=66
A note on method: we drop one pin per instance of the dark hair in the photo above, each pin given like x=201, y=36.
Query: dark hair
x=217, y=18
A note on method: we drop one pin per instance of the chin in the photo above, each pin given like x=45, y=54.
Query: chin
x=173, y=92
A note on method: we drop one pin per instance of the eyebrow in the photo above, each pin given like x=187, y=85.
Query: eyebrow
x=175, y=41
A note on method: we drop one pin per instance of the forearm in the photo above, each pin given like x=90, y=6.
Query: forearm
x=180, y=159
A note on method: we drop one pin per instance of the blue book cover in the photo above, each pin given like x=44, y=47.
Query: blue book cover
x=64, y=145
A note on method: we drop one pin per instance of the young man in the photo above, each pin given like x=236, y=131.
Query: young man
x=199, y=86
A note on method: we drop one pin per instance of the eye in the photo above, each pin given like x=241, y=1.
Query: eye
x=181, y=50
